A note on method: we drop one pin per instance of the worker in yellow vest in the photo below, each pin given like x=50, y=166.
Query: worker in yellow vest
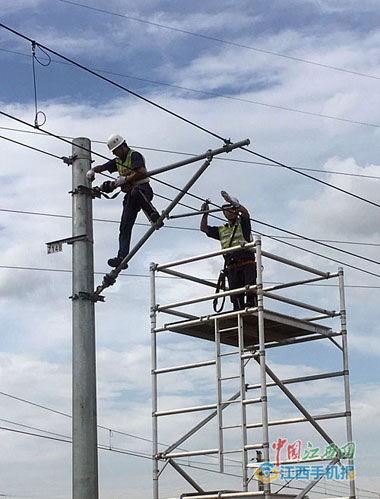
x=240, y=266
x=130, y=165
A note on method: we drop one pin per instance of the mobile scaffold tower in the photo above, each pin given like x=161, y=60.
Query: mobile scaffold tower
x=244, y=339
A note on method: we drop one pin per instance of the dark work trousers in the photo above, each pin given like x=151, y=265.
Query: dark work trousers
x=239, y=277
x=139, y=198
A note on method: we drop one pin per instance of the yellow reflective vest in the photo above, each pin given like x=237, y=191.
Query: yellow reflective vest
x=225, y=234
x=125, y=167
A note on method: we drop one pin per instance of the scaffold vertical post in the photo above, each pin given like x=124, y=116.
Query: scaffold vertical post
x=343, y=321
x=84, y=422
x=263, y=384
x=219, y=393
x=243, y=409
x=153, y=323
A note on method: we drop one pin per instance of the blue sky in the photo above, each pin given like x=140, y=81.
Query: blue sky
x=35, y=351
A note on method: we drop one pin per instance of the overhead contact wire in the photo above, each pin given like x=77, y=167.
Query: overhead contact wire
x=312, y=178
x=185, y=119
x=201, y=199
x=115, y=84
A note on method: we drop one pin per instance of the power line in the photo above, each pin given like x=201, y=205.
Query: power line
x=177, y=116
x=184, y=119
x=219, y=40
x=284, y=242
x=313, y=178
x=214, y=94
x=115, y=84
x=67, y=271
x=182, y=153
x=55, y=215
x=69, y=416
x=201, y=199
x=181, y=118
x=30, y=147
x=277, y=228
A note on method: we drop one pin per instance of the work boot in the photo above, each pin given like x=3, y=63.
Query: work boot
x=115, y=262
x=153, y=217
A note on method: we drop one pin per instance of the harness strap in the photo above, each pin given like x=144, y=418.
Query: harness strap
x=221, y=284
x=239, y=264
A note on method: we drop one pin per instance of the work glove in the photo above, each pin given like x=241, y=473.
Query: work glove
x=120, y=181
x=229, y=199
x=108, y=186
x=205, y=206
x=90, y=175
x=226, y=197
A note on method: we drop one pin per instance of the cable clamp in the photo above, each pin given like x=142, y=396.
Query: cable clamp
x=68, y=159
x=83, y=295
x=88, y=191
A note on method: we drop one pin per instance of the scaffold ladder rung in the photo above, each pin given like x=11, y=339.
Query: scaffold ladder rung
x=241, y=401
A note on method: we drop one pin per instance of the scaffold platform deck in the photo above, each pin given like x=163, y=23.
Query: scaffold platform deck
x=278, y=327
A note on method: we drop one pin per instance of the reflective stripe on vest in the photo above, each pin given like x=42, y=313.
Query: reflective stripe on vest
x=125, y=167
x=225, y=234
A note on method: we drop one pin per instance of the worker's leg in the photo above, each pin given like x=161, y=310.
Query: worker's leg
x=235, y=280
x=250, y=279
x=146, y=195
x=131, y=206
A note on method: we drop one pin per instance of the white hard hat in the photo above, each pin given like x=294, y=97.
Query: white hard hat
x=115, y=141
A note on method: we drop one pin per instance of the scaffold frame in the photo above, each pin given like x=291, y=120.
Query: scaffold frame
x=250, y=331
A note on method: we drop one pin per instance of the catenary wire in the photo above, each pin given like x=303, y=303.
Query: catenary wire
x=55, y=215
x=260, y=222
x=182, y=118
x=135, y=454
x=215, y=94
x=68, y=271
x=119, y=432
x=31, y=147
x=259, y=163
x=194, y=196
x=282, y=230
x=344, y=191
x=67, y=439
x=219, y=40
x=131, y=92
x=201, y=199
x=185, y=119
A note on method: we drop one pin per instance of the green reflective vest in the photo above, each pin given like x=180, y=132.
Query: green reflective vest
x=125, y=167
x=225, y=234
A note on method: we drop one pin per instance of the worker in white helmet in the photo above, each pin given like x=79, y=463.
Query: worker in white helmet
x=240, y=266
x=132, y=179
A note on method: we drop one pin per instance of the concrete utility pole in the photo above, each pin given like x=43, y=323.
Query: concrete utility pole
x=84, y=423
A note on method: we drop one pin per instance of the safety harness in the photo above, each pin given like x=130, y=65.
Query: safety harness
x=221, y=284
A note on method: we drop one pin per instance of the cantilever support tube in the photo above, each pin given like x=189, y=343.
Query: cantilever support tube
x=208, y=154
x=114, y=273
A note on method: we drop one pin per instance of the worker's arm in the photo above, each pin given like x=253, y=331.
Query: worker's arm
x=96, y=169
x=99, y=168
x=205, y=206
x=241, y=209
x=204, y=223
x=138, y=174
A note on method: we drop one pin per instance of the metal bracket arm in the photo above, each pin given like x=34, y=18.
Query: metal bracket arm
x=55, y=246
